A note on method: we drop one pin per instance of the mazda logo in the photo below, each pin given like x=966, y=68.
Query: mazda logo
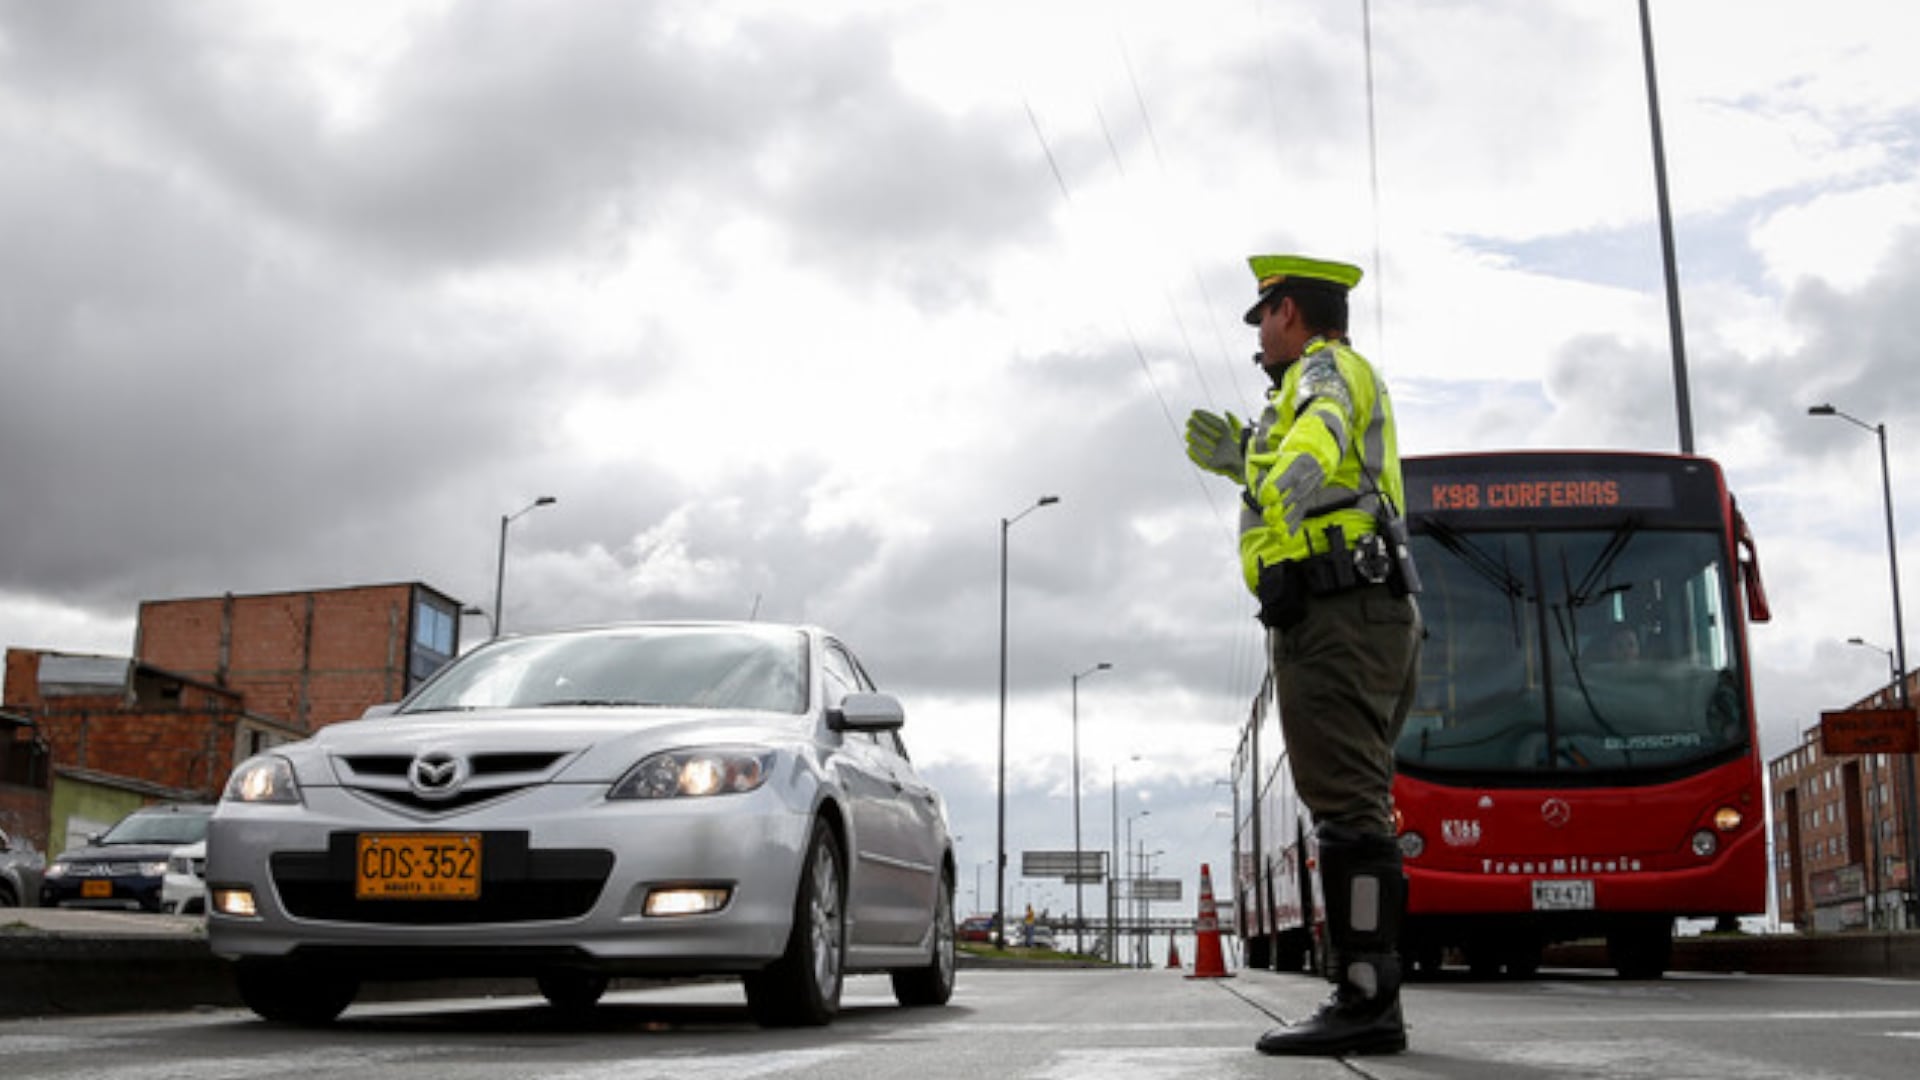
x=436, y=775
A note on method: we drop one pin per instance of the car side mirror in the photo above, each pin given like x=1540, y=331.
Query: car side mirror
x=867, y=712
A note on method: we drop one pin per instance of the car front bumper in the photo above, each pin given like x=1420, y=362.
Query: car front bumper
x=566, y=875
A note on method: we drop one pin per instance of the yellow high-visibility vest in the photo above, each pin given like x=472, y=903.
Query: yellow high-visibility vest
x=1325, y=448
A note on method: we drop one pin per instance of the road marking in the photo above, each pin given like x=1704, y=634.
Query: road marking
x=716, y=1066
x=1632, y=1059
x=1141, y=1063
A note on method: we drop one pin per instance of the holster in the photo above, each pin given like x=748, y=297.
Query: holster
x=1283, y=596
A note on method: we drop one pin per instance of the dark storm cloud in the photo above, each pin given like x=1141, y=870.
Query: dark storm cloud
x=502, y=133
x=1860, y=347
x=229, y=357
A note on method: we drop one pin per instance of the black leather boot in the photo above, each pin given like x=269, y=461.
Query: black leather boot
x=1365, y=895
x=1347, y=1023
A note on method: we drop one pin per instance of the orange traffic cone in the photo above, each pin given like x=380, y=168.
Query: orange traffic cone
x=1208, y=963
x=1173, y=953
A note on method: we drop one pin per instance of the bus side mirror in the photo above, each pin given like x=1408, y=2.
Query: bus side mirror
x=1748, y=558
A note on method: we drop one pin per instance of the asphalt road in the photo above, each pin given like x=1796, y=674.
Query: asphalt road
x=1050, y=1025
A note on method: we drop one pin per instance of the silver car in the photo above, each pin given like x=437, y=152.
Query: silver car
x=658, y=799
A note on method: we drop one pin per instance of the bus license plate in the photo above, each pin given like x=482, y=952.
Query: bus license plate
x=1563, y=895
x=417, y=866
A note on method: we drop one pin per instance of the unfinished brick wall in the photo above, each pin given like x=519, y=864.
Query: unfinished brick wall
x=312, y=658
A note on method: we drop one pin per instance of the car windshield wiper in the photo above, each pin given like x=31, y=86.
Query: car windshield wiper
x=594, y=703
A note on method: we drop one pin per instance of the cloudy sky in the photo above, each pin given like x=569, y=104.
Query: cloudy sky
x=789, y=306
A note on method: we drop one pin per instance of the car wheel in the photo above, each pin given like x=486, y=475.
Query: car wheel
x=802, y=988
x=933, y=984
x=292, y=994
x=572, y=991
x=7, y=898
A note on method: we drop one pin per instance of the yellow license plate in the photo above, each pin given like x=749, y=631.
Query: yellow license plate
x=98, y=889
x=417, y=866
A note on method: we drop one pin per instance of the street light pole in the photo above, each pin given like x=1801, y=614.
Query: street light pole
x=1132, y=883
x=1079, y=909
x=1899, y=640
x=1877, y=914
x=500, y=568
x=1113, y=868
x=1000, y=847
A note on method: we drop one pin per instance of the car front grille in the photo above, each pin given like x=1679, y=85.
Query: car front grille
x=383, y=779
x=517, y=884
x=117, y=868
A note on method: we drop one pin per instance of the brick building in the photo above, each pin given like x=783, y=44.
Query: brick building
x=310, y=658
x=1839, y=838
x=212, y=682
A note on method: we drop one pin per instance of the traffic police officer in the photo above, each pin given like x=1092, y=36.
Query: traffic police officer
x=1323, y=547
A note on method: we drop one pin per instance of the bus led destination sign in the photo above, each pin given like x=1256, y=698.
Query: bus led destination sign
x=1626, y=491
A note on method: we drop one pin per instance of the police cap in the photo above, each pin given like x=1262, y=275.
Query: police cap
x=1275, y=273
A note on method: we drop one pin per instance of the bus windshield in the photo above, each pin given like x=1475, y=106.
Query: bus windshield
x=1582, y=653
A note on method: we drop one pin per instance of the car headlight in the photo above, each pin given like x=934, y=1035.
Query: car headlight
x=709, y=771
x=266, y=779
x=153, y=868
x=54, y=870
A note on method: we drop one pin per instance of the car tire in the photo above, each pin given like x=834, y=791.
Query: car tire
x=572, y=991
x=802, y=988
x=287, y=993
x=932, y=984
x=7, y=898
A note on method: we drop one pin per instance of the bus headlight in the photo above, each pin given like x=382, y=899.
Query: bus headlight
x=1705, y=843
x=1726, y=819
x=1412, y=845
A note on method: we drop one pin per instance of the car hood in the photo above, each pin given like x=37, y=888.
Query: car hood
x=118, y=853
x=595, y=745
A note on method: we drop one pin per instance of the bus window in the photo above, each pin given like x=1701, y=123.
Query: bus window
x=1592, y=650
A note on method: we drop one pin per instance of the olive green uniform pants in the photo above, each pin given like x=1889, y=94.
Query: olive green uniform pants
x=1345, y=675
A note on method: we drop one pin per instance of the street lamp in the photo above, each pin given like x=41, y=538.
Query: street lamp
x=500, y=568
x=1899, y=633
x=1000, y=849
x=1877, y=913
x=1113, y=868
x=1079, y=910
x=1133, y=885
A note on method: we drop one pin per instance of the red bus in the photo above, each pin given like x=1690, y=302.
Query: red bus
x=1582, y=759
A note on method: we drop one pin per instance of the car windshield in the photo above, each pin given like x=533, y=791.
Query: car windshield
x=1575, y=652
x=161, y=828
x=656, y=666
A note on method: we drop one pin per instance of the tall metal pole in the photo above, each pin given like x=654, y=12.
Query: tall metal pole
x=1907, y=894
x=1877, y=880
x=1909, y=824
x=1000, y=846
x=1079, y=908
x=500, y=567
x=1113, y=890
x=1683, y=403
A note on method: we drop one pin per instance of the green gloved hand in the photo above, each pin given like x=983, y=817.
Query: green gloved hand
x=1215, y=443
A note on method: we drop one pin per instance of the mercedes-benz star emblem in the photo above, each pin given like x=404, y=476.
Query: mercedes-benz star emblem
x=1556, y=812
x=436, y=774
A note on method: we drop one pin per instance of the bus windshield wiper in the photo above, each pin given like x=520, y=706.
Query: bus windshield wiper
x=1494, y=571
x=1585, y=593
